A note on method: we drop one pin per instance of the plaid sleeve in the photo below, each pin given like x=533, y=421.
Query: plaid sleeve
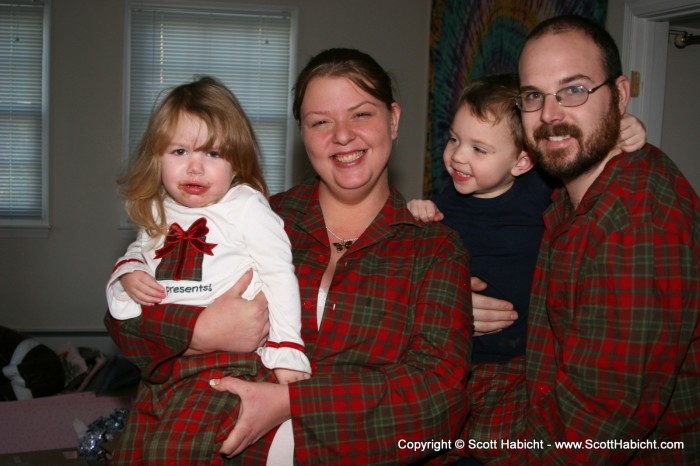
x=154, y=339
x=356, y=412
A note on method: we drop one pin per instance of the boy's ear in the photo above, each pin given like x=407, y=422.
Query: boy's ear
x=523, y=165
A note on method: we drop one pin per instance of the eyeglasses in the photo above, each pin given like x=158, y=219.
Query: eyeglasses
x=571, y=96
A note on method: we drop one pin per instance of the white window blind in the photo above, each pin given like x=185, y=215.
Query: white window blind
x=23, y=110
x=249, y=51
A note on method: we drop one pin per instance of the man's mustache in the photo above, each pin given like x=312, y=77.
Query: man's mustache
x=562, y=129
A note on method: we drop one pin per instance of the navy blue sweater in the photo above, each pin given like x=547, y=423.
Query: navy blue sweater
x=503, y=237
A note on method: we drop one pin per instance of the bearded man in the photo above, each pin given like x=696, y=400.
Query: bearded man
x=613, y=353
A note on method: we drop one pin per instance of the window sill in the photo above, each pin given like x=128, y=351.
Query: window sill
x=25, y=231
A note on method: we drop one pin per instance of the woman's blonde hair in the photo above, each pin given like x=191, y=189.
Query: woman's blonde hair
x=230, y=132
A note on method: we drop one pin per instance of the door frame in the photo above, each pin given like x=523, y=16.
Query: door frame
x=644, y=50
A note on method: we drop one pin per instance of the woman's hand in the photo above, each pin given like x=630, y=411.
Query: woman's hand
x=491, y=315
x=232, y=323
x=264, y=406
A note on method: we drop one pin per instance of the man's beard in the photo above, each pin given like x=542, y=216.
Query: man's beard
x=591, y=153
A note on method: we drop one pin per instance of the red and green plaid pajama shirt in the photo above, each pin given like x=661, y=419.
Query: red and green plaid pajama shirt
x=614, y=333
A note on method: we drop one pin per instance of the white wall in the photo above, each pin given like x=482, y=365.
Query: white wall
x=680, y=137
x=57, y=282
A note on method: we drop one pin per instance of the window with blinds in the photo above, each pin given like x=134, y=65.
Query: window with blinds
x=250, y=51
x=23, y=114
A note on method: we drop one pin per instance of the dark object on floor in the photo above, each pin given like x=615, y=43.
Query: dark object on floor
x=29, y=369
x=116, y=375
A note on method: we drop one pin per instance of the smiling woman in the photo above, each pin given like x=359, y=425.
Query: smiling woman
x=364, y=305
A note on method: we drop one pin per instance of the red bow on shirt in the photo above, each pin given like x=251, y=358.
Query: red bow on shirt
x=194, y=235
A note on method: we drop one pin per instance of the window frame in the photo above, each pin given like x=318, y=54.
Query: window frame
x=40, y=225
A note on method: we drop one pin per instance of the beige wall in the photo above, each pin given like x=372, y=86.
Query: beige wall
x=614, y=20
x=680, y=136
x=57, y=282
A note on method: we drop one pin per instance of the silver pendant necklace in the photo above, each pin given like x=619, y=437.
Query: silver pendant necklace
x=342, y=244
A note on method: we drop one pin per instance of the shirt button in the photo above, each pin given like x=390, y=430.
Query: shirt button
x=542, y=388
x=308, y=305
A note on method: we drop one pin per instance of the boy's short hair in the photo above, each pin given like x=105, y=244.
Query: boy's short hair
x=492, y=99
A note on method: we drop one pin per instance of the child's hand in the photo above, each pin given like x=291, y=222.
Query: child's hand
x=287, y=376
x=633, y=134
x=142, y=288
x=425, y=211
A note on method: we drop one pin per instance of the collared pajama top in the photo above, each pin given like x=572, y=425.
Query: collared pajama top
x=613, y=348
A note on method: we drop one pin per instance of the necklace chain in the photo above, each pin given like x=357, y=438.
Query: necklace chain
x=343, y=244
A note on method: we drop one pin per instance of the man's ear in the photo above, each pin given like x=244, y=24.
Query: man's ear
x=523, y=165
x=622, y=86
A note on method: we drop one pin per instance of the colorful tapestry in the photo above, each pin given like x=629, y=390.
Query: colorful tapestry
x=474, y=38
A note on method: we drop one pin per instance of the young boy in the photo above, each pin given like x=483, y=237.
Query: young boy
x=495, y=203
